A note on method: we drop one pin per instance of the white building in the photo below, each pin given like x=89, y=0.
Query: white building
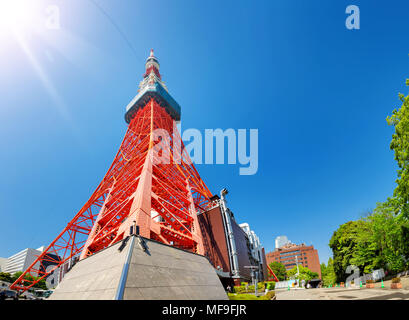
x=256, y=247
x=3, y=262
x=21, y=260
x=281, y=241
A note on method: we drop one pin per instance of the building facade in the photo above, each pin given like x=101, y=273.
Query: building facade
x=257, y=253
x=227, y=246
x=20, y=261
x=3, y=262
x=291, y=254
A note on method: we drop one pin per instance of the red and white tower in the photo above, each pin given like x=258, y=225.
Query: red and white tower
x=151, y=185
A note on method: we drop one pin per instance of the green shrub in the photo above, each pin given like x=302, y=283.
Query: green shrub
x=251, y=288
x=244, y=296
x=270, y=285
x=244, y=283
x=270, y=295
x=238, y=289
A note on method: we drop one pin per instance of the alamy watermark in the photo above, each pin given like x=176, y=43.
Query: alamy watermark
x=375, y=275
x=52, y=20
x=353, y=19
x=208, y=148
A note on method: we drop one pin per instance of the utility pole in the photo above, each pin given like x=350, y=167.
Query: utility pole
x=254, y=277
x=298, y=270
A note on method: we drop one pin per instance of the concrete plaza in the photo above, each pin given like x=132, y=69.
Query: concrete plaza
x=343, y=294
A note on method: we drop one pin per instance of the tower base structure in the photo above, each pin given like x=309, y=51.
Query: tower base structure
x=141, y=269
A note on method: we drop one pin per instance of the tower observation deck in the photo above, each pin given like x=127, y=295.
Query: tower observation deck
x=152, y=87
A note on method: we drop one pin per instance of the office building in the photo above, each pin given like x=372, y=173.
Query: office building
x=291, y=254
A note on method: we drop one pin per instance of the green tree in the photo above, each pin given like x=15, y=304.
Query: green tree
x=327, y=273
x=39, y=285
x=304, y=273
x=279, y=270
x=400, y=145
x=15, y=276
x=344, y=243
x=5, y=276
x=388, y=234
x=378, y=240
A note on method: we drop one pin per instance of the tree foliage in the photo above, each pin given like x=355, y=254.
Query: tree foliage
x=376, y=241
x=279, y=270
x=328, y=275
x=400, y=145
x=343, y=243
x=39, y=285
x=304, y=273
x=5, y=276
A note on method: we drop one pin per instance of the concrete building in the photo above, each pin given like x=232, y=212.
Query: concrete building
x=21, y=260
x=3, y=262
x=228, y=246
x=256, y=247
x=290, y=254
x=281, y=241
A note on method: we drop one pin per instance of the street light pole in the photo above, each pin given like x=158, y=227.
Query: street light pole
x=254, y=276
x=298, y=270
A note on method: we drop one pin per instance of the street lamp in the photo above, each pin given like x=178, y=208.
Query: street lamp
x=254, y=276
x=298, y=270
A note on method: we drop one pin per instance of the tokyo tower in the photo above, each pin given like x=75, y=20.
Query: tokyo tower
x=151, y=186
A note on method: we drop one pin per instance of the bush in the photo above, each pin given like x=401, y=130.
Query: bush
x=270, y=285
x=240, y=289
x=243, y=284
x=245, y=296
x=270, y=295
x=242, y=296
x=396, y=280
x=251, y=288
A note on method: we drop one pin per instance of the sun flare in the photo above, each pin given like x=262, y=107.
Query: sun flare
x=16, y=15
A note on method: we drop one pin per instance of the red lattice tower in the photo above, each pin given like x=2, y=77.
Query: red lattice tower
x=151, y=183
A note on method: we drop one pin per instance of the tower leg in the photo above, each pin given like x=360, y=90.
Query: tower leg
x=95, y=227
x=140, y=213
x=197, y=234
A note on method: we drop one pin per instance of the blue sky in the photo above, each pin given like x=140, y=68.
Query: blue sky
x=317, y=92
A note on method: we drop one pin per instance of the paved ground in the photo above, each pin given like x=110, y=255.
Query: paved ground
x=343, y=294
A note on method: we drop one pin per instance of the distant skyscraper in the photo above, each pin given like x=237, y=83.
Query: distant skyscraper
x=281, y=241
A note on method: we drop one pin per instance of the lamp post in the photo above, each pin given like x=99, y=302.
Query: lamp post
x=254, y=276
x=298, y=270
